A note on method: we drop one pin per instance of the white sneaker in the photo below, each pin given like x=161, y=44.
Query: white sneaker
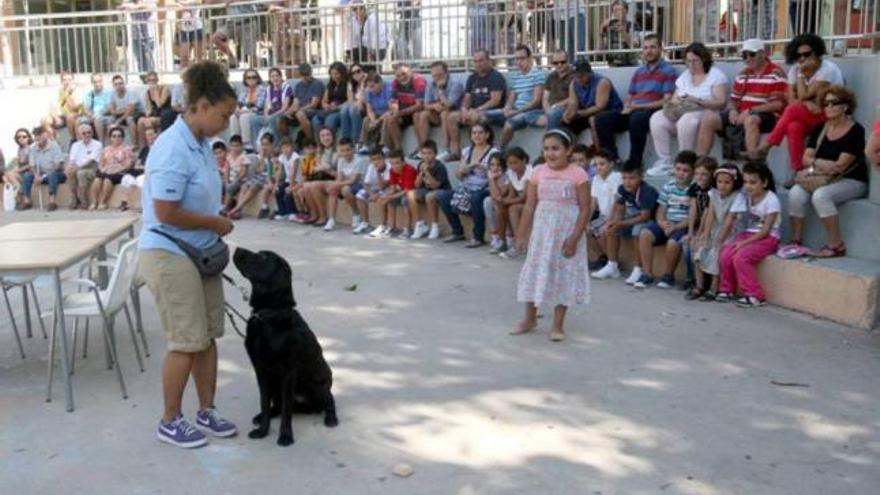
x=355, y=221
x=661, y=168
x=280, y=217
x=377, y=232
x=361, y=228
x=404, y=235
x=420, y=230
x=496, y=245
x=330, y=225
x=634, y=276
x=510, y=254
x=292, y=217
x=386, y=233
x=607, y=271
x=435, y=232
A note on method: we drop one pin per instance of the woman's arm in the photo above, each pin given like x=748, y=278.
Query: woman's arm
x=719, y=98
x=172, y=213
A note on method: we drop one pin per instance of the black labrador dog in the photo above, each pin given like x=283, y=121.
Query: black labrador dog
x=287, y=358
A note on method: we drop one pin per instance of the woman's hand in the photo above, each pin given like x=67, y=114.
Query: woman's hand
x=222, y=226
x=570, y=246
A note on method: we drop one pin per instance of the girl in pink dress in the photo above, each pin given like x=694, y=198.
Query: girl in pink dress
x=558, y=207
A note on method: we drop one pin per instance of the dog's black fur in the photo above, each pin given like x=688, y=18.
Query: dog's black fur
x=287, y=358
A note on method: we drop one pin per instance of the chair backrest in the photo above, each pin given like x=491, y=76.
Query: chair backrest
x=116, y=293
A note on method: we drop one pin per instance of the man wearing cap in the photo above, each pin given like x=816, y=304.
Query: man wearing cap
x=306, y=97
x=590, y=94
x=757, y=100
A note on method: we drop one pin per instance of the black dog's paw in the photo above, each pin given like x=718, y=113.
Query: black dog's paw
x=258, y=433
x=273, y=413
x=330, y=420
x=257, y=419
x=285, y=439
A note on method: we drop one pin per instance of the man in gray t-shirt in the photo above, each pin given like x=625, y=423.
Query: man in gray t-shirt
x=125, y=109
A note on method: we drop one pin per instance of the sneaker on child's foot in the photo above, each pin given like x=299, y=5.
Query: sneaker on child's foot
x=750, y=302
x=330, y=225
x=420, y=230
x=667, y=281
x=510, y=254
x=377, y=232
x=355, y=221
x=607, y=271
x=210, y=421
x=361, y=228
x=598, y=264
x=180, y=433
x=724, y=297
x=403, y=235
x=661, y=168
x=279, y=217
x=634, y=276
x=644, y=282
x=435, y=232
x=497, y=246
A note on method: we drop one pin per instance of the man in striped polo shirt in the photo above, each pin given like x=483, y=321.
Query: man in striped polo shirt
x=524, y=100
x=651, y=85
x=757, y=100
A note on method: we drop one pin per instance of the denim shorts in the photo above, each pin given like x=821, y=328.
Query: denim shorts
x=660, y=237
x=494, y=117
x=525, y=119
x=633, y=231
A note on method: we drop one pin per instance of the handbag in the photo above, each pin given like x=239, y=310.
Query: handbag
x=812, y=182
x=461, y=200
x=673, y=110
x=210, y=261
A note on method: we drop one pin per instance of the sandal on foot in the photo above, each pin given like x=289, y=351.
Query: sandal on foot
x=724, y=297
x=709, y=296
x=557, y=336
x=694, y=293
x=831, y=252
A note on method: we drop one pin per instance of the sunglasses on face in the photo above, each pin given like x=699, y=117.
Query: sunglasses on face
x=832, y=103
x=250, y=77
x=356, y=71
x=560, y=62
x=804, y=55
x=748, y=55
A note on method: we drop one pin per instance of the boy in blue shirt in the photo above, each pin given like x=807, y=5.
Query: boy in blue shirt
x=634, y=206
x=671, y=227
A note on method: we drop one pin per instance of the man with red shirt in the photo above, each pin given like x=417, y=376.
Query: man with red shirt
x=407, y=98
x=757, y=100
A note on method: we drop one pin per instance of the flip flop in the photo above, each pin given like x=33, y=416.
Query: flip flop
x=831, y=252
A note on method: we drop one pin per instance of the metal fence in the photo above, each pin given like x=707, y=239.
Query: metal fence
x=263, y=33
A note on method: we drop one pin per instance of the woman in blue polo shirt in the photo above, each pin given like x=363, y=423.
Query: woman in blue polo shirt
x=182, y=198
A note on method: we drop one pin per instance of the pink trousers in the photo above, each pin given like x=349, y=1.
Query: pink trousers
x=796, y=123
x=739, y=270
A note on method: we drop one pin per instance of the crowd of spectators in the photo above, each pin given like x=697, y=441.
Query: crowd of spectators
x=298, y=146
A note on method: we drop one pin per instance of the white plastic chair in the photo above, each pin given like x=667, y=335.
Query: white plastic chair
x=105, y=304
x=9, y=283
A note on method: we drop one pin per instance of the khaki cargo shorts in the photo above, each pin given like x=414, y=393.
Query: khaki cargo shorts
x=190, y=306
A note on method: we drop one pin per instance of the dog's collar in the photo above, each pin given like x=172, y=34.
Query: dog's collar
x=268, y=313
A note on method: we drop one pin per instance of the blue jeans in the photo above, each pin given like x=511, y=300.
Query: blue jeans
x=284, y=200
x=327, y=118
x=477, y=213
x=352, y=122
x=258, y=122
x=143, y=53
x=52, y=178
x=554, y=117
x=525, y=119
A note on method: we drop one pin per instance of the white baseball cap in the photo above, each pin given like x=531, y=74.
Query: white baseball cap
x=752, y=45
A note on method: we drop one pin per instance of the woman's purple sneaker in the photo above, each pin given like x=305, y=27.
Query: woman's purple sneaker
x=179, y=432
x=210, y=420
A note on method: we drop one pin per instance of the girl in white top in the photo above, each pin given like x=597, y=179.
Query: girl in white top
x=701, y=88
x=509, y=200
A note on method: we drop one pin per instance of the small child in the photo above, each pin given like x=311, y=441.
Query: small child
x=134, y=178
x=558, y=207
x=717, y=228
x=583, y=156
x=739, y=258
x=258, y=180
x=307, y=164
x=350, y=171
x=699, y=199
x=239, y=166
x=219, y=150
x=432, y=177
x=519, y=171
x=401, y=180
x=498, y=187
x=671, y=226
x=603, y=186
x=285, y=175
x=634, y=205
x=375, y=181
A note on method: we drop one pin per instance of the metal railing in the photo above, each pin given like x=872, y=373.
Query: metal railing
x=284, y=33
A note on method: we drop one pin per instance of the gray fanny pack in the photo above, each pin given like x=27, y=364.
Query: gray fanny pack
x=210, y=261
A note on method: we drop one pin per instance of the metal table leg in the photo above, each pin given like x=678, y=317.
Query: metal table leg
x=27, y=310
x=102, y=281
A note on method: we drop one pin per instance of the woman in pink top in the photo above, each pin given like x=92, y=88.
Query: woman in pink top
x=116, y=160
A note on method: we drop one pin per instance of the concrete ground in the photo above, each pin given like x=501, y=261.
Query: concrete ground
x=648, y=395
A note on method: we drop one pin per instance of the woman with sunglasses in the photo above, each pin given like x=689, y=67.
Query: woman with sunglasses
x=810, y=75
x=837, y=149
x=158, y=99
x=19, y=164
x=352, y=113
x=335, y=97
x=117, y=159
x=251, y=101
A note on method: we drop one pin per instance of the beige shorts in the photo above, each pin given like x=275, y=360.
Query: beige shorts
x=190, y=306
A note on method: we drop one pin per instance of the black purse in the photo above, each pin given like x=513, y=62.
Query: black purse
x=210, y=261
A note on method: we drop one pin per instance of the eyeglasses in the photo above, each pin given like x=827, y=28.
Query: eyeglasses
x=747, y=55
x=251, y=77
x=806, y=54
x=832, y=103
x=560, y=62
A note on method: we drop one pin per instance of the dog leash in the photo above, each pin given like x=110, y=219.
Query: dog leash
x=230, y=310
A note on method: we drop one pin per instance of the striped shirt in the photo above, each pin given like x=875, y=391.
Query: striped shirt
x=523, y=86
x=652, y=83
x=751, y=90
x=676, y=200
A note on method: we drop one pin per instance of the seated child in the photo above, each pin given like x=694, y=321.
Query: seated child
x=239, y=166
x=634, y=205
x=401, y=180
x=699, y=200
x=260, y=176
x=304, y=168
x=350, y=171
x=432, y=177
x=670, y=228
x=718, y=227
x=584, y=156
x=498, y=183
x=285, y=175
x=374, y=184
x=512, y=203
x=603, y=187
